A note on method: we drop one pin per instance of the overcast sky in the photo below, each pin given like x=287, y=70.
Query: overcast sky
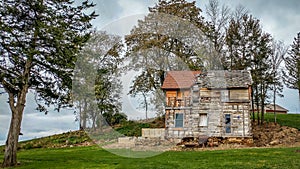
x=279, y=18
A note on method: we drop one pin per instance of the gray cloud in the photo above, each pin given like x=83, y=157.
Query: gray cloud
x=112, y=10
x=278, y=18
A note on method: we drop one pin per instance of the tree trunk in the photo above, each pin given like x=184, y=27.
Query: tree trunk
x=274, y=101
x=257, y=104
x=252, y=105
x=262, y=113
x=10, y=154
x=84, y=114
x=146, y=105
x=262, y=96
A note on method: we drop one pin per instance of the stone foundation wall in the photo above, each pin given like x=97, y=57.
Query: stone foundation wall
x=153, y=132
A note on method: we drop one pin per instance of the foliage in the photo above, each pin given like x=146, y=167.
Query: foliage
x=163, y=41
x=291, y=76
x=278, y=52
x=249, y=48
x=95, y=157
x=39, y=41
x=143, y=84
x=132, y=128
x=218, y=18
x=114, y=119
x=96, y=85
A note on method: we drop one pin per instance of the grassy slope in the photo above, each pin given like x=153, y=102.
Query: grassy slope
x=95, y=157
x=57, y=140
x=291, y=120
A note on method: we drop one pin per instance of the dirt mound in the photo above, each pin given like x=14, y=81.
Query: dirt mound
x=268, y=135
x=272, y=134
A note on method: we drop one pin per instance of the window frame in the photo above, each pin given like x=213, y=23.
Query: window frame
x=227, y=126
x=205, y=118
x=180, y=120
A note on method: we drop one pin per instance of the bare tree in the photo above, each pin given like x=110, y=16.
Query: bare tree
x=278, y=52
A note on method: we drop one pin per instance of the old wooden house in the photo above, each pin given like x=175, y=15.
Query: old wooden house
x=213, y=104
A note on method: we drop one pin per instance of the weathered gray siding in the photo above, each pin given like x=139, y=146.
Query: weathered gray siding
x=208, y=102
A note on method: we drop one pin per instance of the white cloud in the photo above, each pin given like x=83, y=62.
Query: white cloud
x=122, y=26
x=131, y=7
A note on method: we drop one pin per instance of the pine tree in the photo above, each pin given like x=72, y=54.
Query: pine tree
x=249, y=48
x=291, y=76
x=39, y=41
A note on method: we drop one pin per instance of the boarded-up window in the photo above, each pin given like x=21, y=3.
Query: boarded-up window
x=203, y=120
x=178, y=120
x=239, y=94
x=225, y=95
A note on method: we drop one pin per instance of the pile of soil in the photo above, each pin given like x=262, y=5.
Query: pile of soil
x=267, y=135
x=272, y=134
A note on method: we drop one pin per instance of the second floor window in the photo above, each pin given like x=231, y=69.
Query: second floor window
x=224, y=95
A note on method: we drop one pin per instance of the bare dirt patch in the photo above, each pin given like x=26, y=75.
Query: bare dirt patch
x=272, y=134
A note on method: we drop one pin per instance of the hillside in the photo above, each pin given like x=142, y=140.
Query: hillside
x=290, y=120
x=276, y=134
x=68, y=139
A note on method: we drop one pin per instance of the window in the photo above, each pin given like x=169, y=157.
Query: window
x=178, y=120
x=225, y=95
x=227, y=123
x=203, y=120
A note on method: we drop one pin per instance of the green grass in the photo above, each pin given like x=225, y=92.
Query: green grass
x=95, y=157
x=57, y=140
x=132, y=128
x=291, y=120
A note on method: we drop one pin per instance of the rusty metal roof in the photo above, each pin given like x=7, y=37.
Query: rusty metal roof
x=180, y=79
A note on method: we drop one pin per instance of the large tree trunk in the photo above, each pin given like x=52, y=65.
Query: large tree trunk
x=10, y=155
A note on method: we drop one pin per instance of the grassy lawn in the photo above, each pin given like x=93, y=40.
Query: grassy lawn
x=95, y=157
x=291, y=120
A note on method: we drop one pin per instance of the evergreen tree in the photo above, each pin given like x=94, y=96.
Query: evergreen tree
x=39, y=41
x=291, y=76
x=249, y=48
